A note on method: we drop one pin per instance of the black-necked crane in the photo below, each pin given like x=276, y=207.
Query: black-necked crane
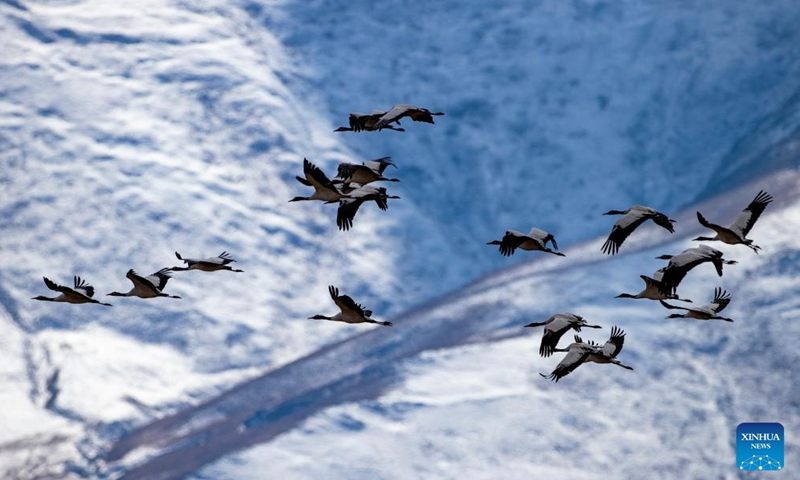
x=367, y=123
x=577, y=353
x=581, y=352
x=653, y=290
x=633, y=217
x=555, y=327
x=210, y=264
x=609, y=351
x=400, y=110
x=324, y=189
x=81, y=292
x=736, y=234
x=534, y=240
x=368, y=172
x=679, y=265
x=151, y=286
x=351, y=312
x=708, y=311
x=349, y=205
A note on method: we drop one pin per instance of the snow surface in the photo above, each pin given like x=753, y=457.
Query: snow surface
x=482, y=411
x=555, y=111
x=129, y=131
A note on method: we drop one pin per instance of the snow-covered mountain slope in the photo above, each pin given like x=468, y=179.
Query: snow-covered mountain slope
x=129, y=131
x=129, y=139
x=132, y=131
x=555, y=111
x=431, y=398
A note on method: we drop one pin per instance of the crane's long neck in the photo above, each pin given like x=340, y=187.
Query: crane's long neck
x=626, y=295
x=536, y=324
x=118, y=294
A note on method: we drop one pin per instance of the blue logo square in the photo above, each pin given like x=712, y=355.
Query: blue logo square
x=759, y=447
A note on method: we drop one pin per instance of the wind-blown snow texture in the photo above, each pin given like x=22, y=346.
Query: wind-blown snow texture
x=130, y=131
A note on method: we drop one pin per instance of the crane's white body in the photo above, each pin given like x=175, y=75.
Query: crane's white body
x=632, y=218
x=151, y=286
x=535, y=240
x=81, y=292
x=736, y=233
x=210, y=264
x=555, y=327
x=581, y=352
x=349, y=310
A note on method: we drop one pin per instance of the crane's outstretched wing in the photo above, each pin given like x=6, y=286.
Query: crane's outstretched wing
x=315, y=176
x=721, y=300
x=56, y=287
x=572, y=360
x=553, y=332
x=744, y=221
x=621, y=230
x=82, y=287
x=664, y=221
x=509, y=243
x=379, y=164
x=614, y=344
x=346, y=303
x=160, y=278
x=393, y=115
x=348, y=207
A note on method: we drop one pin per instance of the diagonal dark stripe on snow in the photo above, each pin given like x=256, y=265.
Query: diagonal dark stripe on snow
x=361, y=367
x=358, y=368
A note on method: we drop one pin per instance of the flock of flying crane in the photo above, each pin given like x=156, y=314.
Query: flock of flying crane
x=661, y=286
x=352, y=187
